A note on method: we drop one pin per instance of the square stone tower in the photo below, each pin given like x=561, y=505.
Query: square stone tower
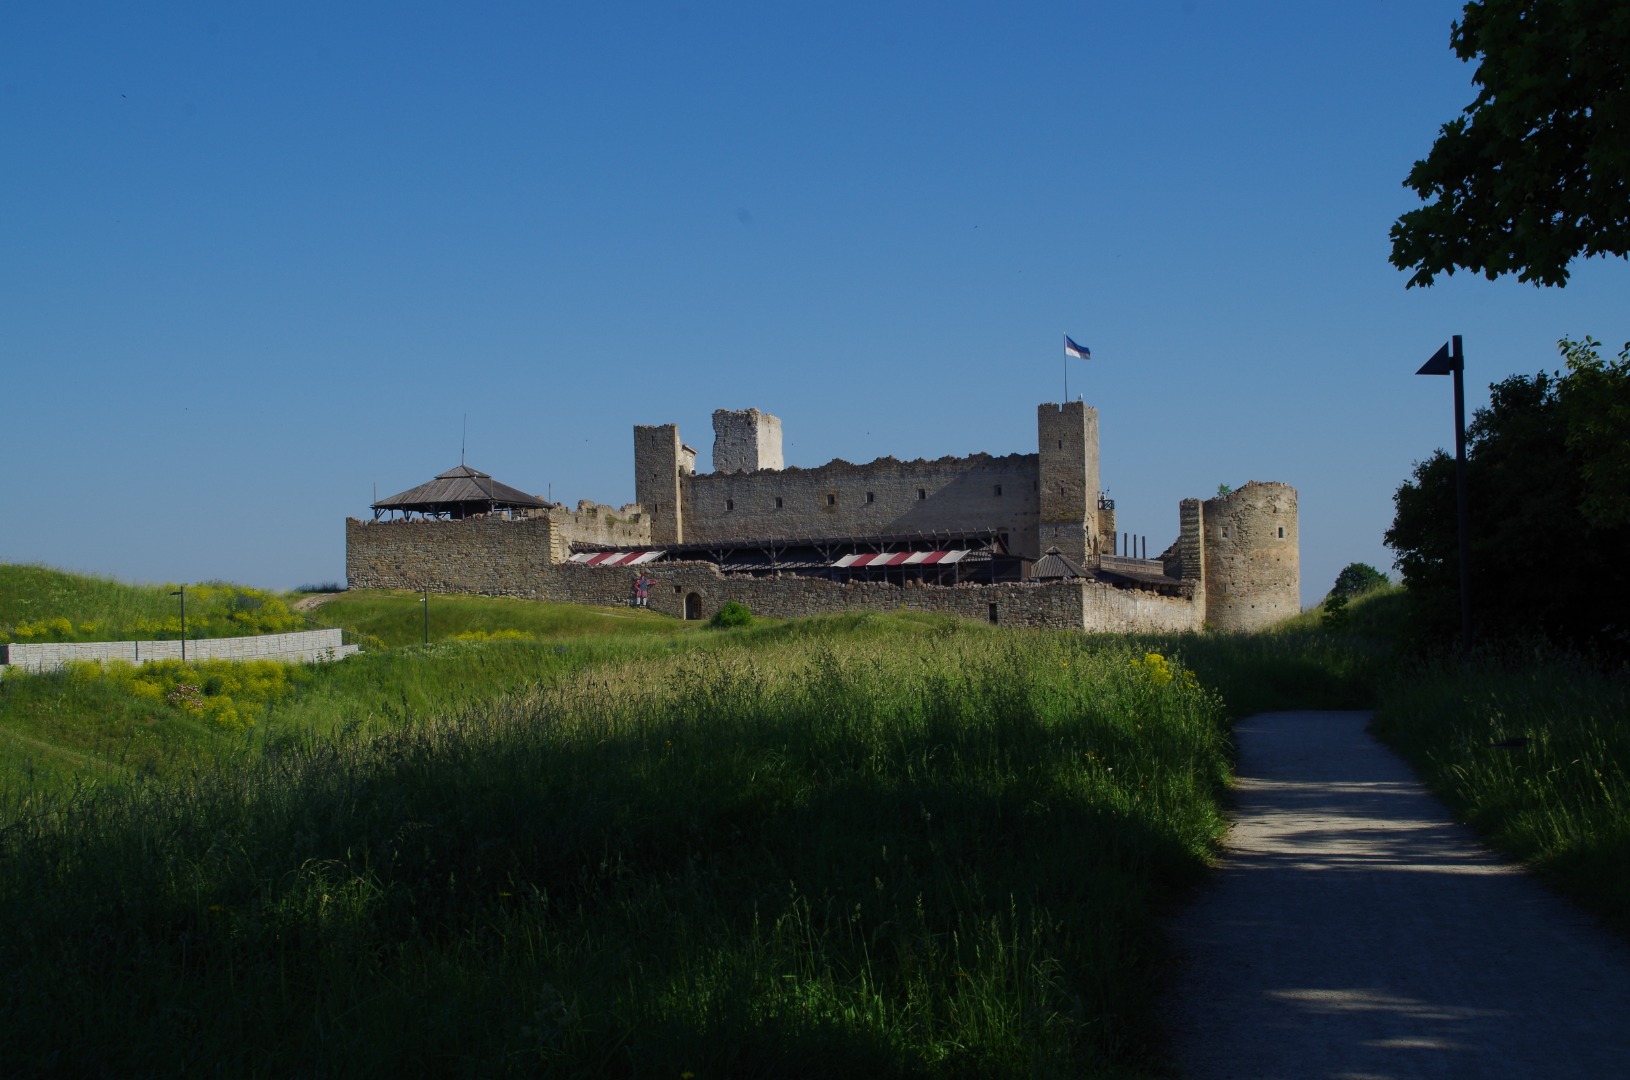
x=1067, y=480
x=661, y=462
x=745, y=440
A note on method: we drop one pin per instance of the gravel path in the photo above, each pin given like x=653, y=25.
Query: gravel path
x=1355, y=930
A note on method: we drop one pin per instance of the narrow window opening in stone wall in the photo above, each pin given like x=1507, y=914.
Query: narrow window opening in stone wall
x=922, y=493
x=778, y=502
x=1225, y=532
x=871, y=496
x=730, y=504
x=1281, y=532
x=998, y=491
x=831, y=500
x=1060, y=446
x=993, y=613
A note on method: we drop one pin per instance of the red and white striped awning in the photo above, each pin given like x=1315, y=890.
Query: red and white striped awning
x=614, y=558
x=902, y=558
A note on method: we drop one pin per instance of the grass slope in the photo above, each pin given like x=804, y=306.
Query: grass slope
x=605, y=843
x=885, y=847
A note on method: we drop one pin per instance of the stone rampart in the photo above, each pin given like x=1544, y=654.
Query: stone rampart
x=305, y=646
x=511, y=558
x=1066, y=605
x=596, y=523
x=881, y=497
x=488, y=555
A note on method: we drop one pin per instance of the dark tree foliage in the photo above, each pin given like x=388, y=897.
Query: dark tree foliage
x=1541, y=565
x=1356, y=579
x=1536, y=170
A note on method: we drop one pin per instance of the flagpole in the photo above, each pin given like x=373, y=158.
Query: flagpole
x=1066, y=373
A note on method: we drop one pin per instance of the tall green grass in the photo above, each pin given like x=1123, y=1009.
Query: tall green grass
x=1303, y=662
x=1532, y=749
x=793, y=853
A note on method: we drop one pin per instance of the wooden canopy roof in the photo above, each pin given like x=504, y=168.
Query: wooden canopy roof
x=459, y=493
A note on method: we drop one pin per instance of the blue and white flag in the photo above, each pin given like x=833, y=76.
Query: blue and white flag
x=1080, y=352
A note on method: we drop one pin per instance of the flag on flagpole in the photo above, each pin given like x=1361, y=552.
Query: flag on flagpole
x=1080, y=352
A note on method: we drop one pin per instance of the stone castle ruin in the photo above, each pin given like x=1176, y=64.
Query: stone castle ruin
x=1023, y=539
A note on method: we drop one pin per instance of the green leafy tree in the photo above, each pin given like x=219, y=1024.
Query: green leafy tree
x=1356, y=579
x=1596, y=403
x=1541, y=563
x=1536, y=170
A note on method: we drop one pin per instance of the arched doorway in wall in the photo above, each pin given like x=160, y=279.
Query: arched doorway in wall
x=693, y=606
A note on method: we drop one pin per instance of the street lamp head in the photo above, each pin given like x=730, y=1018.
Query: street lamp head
x=1440, y=364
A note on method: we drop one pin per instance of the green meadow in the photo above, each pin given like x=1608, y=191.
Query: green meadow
x=599, y=842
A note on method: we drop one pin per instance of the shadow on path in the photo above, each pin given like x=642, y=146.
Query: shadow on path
x=1354, y=930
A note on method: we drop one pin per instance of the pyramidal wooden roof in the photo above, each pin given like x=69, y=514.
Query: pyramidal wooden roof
x=1054, y=565
x=460, y=492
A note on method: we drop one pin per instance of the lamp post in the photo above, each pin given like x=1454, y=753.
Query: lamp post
x=182, y=592
x=1451, y=360
x=426, y=602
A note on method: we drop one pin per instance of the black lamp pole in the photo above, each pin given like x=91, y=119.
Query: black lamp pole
x=426, y=603
x=182, y=592
x=1450, y=359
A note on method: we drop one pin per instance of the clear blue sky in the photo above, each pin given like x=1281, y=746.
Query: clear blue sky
x=255, y=260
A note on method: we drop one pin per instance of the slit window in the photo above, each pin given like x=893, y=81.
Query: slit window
x=1281, y=532
x=871, y=496
x=831, y=499
x=778, y=502
x=998, y=491
x=730, y=504
x=922, y=493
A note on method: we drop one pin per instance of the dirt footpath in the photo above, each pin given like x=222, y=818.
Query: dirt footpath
x=1356, y=931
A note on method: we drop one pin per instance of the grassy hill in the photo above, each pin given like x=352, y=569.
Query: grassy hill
x=38, y=603
x=605, y=843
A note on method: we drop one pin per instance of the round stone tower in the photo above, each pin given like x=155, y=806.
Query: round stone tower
x=1253, y=563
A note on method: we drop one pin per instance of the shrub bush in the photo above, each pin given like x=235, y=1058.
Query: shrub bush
x=733, y=613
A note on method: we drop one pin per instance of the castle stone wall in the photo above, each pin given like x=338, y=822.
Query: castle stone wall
x=1253, y=574
x=508, y=558
x=1052, y=605
x=488, y=555
x=596, y=523
x=883, y=496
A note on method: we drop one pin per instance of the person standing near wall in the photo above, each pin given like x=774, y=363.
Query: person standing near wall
x=642, y=590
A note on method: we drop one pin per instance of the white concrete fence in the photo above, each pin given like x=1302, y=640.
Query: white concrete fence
x=306, y=646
